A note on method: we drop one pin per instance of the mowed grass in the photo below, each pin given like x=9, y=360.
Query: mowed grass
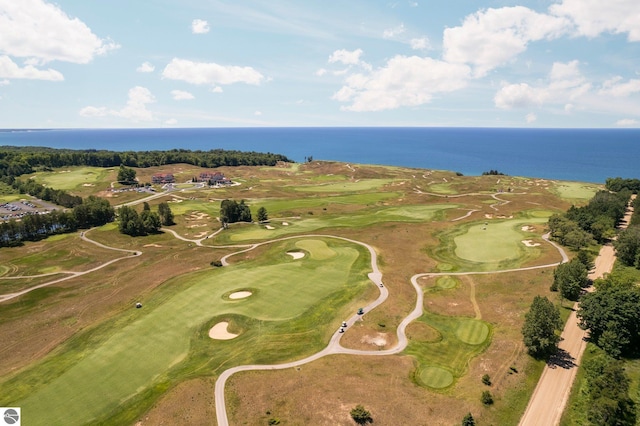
x=351, y=186
x=419, y=213
x=73, y=177
x=575, y=190
x=132, y=358
x=443, y=361
x=487, y=245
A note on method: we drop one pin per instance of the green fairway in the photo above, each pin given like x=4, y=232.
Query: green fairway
x=436, y=377
x=72, y=177
x=351, y=186
x=275, y=206
x=134, y=357
x=462, y=339
x=387, y=214
x=575, y=190
x=490, y=244
x=472, y=332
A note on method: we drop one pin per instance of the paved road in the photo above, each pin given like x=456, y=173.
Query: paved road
x=552, y=392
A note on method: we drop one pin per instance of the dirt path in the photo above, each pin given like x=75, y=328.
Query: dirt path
x=552, y=392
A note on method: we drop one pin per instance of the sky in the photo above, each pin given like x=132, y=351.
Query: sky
x=242, y=63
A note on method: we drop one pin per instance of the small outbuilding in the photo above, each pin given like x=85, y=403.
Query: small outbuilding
x=138, y=305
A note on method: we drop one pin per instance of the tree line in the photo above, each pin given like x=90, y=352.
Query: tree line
x=16, y=161
x=92, y=211
x=147, y=222
x=581, y=227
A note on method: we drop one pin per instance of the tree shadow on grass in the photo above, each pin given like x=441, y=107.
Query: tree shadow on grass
x=561, y=359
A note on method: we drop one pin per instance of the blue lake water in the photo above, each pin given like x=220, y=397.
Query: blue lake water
x=589, y=155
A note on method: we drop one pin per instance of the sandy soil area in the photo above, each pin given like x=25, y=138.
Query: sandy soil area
x=240, y=295
x=296, y=254
x=219, y=332
x=269, y=227
x=530, y=243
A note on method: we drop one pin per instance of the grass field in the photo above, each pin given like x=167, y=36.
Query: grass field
x=158, y=337
x=80, y=353
x=73, y=177
x=575, y=190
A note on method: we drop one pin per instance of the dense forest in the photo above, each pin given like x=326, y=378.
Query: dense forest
x=16, y=161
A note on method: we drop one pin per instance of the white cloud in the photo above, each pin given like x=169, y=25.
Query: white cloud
x=217, y=89
x=393, y=32
x=346, y=57
x=627, y=122
x=321, y=72
x=146, y=67
x=210, y=73
x=492, y=37
x=257, y=113
x=9, y=69
x=531, y=118
x=4, y=82
x=565, y=83
x=519, y=96
x=135, y=109
x=593, y=17
x=614, y=87
x=403, y=81
x=181, y=95
x=199, y=26
x=43, y=32
x=91, y=111
x=171, y=122
x=419, y=43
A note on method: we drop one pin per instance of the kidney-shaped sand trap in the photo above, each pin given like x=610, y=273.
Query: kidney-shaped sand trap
x=219, y=332
x=240, y=295
x=296, y=254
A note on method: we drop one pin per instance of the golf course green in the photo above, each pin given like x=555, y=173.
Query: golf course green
x=132, y=358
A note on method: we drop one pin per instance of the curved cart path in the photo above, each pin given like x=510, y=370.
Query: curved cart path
x=72, y=274
x=552, y=392
x=334, y=346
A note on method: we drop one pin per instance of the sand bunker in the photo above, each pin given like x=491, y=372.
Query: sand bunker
x=296, y=254
x=152, y=245
x=269, y=227
x=240, y=295
x=219, y=332
x=530, y=243
x=285, y=223
x=528, y=228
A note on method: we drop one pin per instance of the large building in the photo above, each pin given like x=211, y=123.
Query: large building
x=163, y=178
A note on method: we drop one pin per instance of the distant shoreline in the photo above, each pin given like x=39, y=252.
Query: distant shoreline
x=585, y=155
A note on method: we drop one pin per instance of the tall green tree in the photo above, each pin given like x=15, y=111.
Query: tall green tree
x=166, y=215
x=539, y=328
x=263, y=216
x=628, y=246
x=607, y=389
x=570, y=278
x=611, y=316
x=126, y=175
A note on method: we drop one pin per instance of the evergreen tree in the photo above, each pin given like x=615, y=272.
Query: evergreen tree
x=262, y=215
x=468, y=420
x=539, y=329
x=165, y=213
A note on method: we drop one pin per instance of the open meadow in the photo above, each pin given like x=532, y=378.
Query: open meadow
x=80, y=352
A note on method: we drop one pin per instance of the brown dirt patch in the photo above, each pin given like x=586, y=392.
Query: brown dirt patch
x=189, y=403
